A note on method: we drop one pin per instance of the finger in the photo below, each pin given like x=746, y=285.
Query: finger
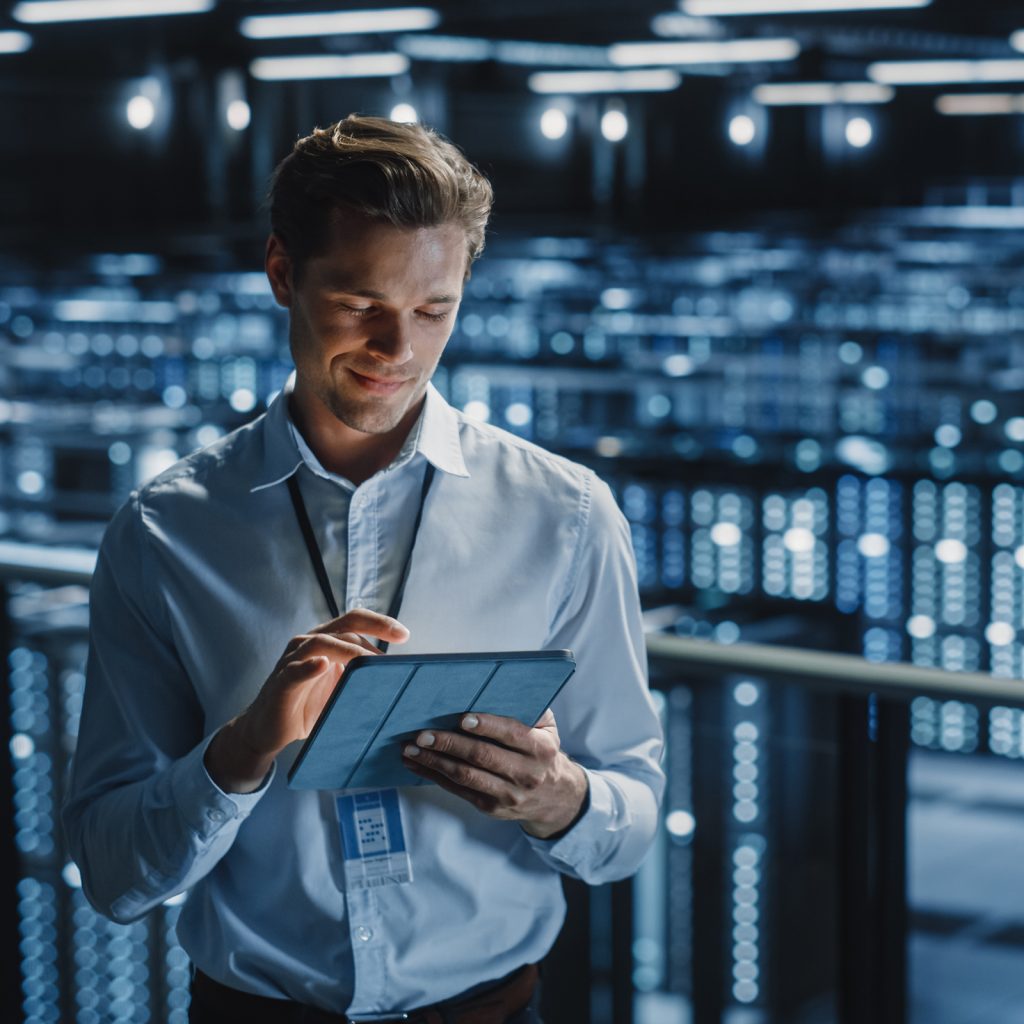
x=489, y=757
x=354, y=638
x=362, y=620
x=338, y=651
x=509, y=732
x=478, y=800
x=459, y=772
x=547, y=720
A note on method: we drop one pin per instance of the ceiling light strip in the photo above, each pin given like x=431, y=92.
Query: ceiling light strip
x=980, y=103
x=732, y=51
x=803, y=94
x=331, y=23
x=946, y=72
x=40, y=12
x=578, y=82
x=362, y=65
x=728, y=8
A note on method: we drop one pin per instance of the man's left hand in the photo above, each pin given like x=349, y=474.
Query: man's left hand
x=505, y=769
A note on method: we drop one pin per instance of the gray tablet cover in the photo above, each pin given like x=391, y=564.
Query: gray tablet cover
x=383, y=701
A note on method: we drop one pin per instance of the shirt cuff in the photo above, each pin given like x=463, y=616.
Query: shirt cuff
x=601, y=816
x=203, y=805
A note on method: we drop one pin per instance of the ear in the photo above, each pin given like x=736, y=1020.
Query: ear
x=279, y=271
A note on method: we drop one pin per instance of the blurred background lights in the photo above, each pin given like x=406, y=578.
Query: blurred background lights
x=799, y=540
x=745, y=694
x=242, y=400
x=554, y=123
x=614, y=125
x=742, y=130
x=141, y=112
x=518, y=414
x=1014, y=428
x=477, y=410
x=238, y=115
x=31, y=482
x=405, y=113
x=999, y=634
x=873, y=545
x=983, y=411
x=951, y=551
x=948, y=435
x=680, y=824
x=921, y=627
x=875, y=377
x=726, y=535
x=678, y=365
x=859, y=132
x=1018, y=557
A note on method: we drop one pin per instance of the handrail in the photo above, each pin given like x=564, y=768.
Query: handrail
x=845, y=672
x=40, y=563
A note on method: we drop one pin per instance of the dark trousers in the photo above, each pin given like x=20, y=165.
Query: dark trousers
x=214, y=1008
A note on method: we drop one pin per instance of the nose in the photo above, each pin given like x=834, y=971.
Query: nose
x=390, y=341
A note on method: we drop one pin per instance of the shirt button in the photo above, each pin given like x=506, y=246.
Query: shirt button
x=363, y=934
x=216, y=815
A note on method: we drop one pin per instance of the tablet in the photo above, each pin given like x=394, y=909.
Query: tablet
x=382, y=701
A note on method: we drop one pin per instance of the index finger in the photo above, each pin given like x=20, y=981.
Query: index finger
x=509, y=732
x=362, y=620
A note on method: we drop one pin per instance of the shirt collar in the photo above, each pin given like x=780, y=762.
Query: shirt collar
x=435, y=435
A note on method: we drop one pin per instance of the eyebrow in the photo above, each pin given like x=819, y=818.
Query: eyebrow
x=368, y=293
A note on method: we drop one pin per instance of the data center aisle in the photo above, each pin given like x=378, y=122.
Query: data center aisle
x=966, y=837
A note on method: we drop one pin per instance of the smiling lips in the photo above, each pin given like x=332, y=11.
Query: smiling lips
x=377, y=385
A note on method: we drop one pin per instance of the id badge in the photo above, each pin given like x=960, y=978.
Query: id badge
x=373, y=839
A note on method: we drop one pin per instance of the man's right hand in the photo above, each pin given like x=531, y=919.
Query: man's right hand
x=290, y=701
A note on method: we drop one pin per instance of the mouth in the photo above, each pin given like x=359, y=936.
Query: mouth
x=378, y=385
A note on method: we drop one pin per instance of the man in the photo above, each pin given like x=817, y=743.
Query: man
x=206, y=575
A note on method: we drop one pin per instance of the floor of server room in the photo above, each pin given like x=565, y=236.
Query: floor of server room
x=965, y=835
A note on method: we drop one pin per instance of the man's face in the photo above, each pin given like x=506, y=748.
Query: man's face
x=370, y=317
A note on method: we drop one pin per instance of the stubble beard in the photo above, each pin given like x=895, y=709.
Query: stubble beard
x=366, y=413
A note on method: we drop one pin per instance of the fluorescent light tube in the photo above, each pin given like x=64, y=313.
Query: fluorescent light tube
x=946, y=72
x=733, y=51
x=965, y=104
x=677, y=26
x=659, y=80
x=821, y=93
x=446, y=48
x=332, y=23
x=39, y=12
x=360, y=65
x=14, y=42
x=727, y=8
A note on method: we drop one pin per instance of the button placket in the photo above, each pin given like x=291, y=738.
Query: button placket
x=363, y=567
x=367, y=954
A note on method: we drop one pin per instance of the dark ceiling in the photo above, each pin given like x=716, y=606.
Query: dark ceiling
x=73, y=170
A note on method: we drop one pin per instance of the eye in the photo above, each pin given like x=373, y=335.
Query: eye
x=356, y=310
x=434, y=317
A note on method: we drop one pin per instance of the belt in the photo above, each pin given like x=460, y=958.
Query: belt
x=214, y=1003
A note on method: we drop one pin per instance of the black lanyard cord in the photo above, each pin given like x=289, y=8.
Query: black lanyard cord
x=315, y=556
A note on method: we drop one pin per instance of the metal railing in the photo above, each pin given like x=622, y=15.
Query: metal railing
x=871, y=791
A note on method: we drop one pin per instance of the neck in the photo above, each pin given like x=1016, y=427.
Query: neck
x=343, y=450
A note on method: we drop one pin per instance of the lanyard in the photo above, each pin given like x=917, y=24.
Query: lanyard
x=318, y=560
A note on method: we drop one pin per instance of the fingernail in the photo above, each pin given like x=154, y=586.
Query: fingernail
x=470, y=722
x=411, y=751
x=425, y=739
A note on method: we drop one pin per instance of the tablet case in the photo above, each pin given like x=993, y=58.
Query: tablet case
x=383, y=701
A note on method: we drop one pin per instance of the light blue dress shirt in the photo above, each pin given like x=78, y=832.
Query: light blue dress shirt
x=203, y=578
